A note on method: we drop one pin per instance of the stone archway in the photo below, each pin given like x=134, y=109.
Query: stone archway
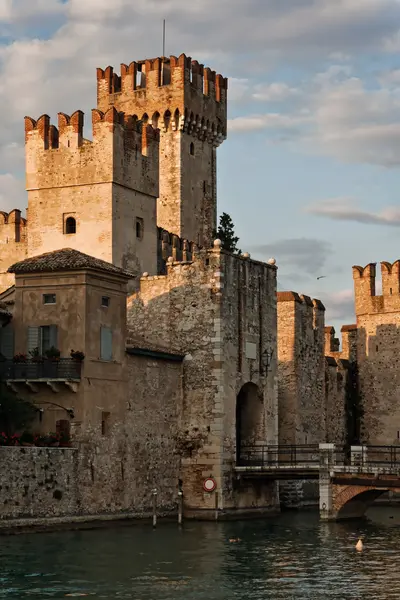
x=351, y=501
x=249, y=418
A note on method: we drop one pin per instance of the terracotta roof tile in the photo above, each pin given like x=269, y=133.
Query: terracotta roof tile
x=66, y=259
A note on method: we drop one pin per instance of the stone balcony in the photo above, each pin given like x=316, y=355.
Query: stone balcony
x=65, y=371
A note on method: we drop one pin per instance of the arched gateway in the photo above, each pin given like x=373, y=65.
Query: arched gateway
x=250, y=422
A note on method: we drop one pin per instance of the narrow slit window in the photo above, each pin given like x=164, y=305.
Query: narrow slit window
x=139, y=228
x=192, y=149
x=105, y=301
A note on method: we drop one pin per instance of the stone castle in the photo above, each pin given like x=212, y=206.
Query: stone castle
x=191, y=355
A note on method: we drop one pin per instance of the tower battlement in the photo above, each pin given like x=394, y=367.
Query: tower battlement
x=61, y=156
x=366, y=299
x=69, y=133
x=188, y=103
x=161, y=71
x=177, y=86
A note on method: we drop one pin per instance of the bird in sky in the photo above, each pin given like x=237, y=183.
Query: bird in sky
x=321, y=277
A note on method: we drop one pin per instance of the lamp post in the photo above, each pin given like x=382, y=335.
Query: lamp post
x=265, y=363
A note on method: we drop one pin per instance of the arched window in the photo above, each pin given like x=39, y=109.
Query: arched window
x=192, y=149
x=70, y=225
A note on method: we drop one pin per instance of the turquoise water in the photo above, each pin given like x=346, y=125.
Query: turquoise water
x=293, y=556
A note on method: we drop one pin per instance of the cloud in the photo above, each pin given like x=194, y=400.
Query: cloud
x=345, y=209
x=12, y=192
x=267, y=121
x=304, y=254
x=335, y=114
x=339, y=306
x=54, y=47
x=274, y=92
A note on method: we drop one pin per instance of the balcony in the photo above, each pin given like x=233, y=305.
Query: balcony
x=65, y=371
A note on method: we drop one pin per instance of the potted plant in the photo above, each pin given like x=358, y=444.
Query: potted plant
x=36, y=356
x=53, y=354
x=20, y=358
x=3, y=439
x=77, y=355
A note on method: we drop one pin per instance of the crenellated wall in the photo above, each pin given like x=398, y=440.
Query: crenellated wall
x=189, y=104
x=13, y=244
x=301, y=370
x=108, y=186
x=378, y=347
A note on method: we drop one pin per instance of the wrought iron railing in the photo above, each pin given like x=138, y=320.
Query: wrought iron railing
x=65, y=369
x=284, y=455
x=380, y=456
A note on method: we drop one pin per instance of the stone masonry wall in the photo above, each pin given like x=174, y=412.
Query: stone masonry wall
x=378, y=346
x=341, y=386
x=107, y=185
x=185, y=309
x=301, y=385
x=301, y=371
x=189, y=104
x=13, y=244
x=38, y=482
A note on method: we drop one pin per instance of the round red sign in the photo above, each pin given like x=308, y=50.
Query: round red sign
x=209, y=484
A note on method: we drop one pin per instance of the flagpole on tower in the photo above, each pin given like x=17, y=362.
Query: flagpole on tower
x=163, y=39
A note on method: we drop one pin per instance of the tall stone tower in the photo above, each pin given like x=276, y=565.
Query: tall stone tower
x=188, y=103
x=98, y=196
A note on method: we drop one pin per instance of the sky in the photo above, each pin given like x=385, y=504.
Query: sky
x=310, y=170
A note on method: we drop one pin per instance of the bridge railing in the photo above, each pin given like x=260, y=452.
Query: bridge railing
x=380, y=456
x=282, y=455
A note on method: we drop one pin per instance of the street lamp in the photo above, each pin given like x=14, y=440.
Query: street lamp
x=265, y=363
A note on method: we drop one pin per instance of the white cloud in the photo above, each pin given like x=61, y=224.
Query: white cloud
x=345, y=209
x=274, y=92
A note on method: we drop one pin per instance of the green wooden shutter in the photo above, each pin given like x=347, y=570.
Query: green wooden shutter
x=7, y=341
x=33, y=338
x=105, y=343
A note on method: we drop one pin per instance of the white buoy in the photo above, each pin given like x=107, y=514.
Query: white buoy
x=359, y=545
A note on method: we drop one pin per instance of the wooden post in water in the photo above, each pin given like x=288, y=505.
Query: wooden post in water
x=180, y=507
x=154, y=508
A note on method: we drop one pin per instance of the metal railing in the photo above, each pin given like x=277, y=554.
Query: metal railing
x=65, y=369
x=273, y=456
x=284, y=455
x=380, y=456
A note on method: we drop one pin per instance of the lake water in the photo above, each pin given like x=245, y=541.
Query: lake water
x=293, y=556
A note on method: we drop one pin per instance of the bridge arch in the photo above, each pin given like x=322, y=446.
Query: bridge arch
x=351, y=501
x=249, y=417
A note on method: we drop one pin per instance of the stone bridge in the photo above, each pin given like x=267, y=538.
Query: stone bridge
x=349, y=480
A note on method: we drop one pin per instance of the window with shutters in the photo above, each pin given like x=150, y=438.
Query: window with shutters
x=105, y=343
x=43, y=338
x=7, y=342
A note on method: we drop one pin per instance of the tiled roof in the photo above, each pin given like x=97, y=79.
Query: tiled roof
x=66, y=259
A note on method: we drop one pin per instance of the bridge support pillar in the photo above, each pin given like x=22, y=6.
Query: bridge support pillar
x=327, y=462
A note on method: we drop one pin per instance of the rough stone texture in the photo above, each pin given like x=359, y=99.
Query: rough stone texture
x=220, y=311
x=378, y=322
x=189, y=104
x=105, y=185
x=301, y=369
x=38, y=482
x=13, y=244
x=126, y=410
